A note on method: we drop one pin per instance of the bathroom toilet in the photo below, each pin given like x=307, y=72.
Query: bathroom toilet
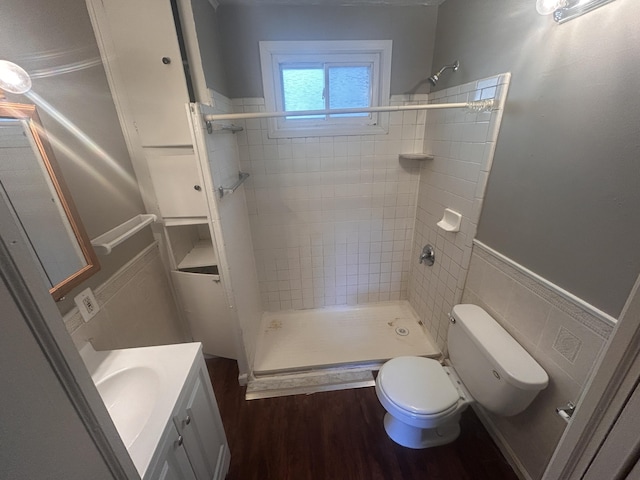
x=424, y=399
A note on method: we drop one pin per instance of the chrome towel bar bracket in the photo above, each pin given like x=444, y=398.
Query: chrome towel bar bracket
x=242, y=176
x=230, y=127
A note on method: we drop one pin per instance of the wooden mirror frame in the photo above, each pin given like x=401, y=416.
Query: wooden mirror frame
x=19, y=111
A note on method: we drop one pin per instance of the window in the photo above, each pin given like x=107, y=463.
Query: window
x=323, y=75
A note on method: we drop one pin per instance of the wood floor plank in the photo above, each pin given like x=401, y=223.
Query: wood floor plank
x=338, y=436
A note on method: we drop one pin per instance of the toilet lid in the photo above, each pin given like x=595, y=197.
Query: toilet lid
x=418, y=385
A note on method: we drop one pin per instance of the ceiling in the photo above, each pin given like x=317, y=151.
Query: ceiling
x=400, y=3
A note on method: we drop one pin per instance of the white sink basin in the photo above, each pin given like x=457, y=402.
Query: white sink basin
x=130, y=396
x=140, y=387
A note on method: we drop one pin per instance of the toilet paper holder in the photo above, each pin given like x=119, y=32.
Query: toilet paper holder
x=566, y=412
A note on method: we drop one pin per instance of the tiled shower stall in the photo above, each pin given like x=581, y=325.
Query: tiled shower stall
x=340, y=220
x=332, y=217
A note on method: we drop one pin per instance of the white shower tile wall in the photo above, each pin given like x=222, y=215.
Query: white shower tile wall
x=462, y=144
x=331, y=217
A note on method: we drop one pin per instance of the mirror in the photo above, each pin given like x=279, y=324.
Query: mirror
x=32, y=186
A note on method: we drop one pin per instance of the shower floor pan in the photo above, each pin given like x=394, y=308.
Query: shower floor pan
x=303, y=340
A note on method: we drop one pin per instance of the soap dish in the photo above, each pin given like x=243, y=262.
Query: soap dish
x=451, y=221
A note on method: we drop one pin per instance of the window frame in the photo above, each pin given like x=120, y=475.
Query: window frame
x=377, y=53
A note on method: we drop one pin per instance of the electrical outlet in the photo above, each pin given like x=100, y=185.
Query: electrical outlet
x=87, y=304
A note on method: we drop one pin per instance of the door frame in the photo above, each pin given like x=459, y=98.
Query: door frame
x=24, y=283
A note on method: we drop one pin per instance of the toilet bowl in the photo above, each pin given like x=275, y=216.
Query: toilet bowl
x=424, y=399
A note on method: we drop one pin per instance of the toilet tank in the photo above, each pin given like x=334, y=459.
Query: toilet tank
x=497, y=371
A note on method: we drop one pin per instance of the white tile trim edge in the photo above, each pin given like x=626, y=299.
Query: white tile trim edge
x=73, y=319
x=594, y=319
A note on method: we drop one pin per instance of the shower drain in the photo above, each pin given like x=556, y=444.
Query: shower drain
x=403, y=332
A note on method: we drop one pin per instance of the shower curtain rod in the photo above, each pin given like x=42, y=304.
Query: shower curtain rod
x=475, y=106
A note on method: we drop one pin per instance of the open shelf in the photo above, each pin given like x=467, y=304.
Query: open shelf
x=201, y=255
x=191, y=248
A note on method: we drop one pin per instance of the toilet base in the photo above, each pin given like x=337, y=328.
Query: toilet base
x=414, y=437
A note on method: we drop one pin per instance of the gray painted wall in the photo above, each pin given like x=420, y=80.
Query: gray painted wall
x=44, y=38
x=412, y=30
x=207, y=30
x=563, y=197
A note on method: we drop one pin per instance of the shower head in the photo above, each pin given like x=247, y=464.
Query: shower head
x=433, y=79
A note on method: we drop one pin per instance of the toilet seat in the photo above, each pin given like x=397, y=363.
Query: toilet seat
x=419, y=386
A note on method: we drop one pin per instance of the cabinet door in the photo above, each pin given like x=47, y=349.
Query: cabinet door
x=205, y=304
x=173, y=462
x=147, y=56
x=201, y=427
x=178, y=186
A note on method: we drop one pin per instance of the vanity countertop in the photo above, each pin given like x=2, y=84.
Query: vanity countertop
x=140, y=388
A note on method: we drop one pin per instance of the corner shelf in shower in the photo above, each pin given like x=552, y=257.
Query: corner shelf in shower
x=415, y=156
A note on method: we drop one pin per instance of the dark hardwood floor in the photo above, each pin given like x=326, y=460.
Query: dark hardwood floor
x=338, y=435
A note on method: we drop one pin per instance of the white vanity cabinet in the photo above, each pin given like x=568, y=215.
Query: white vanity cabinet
x=162, y=404
x=172, y=462
x=198, y=422
x=194, y=445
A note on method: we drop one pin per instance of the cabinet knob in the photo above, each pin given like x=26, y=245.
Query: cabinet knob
x=197, y=188
x=187, y=420
x=180, y=440
x=166, y=60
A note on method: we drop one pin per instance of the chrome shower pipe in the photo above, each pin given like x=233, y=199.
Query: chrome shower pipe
x=433, y=79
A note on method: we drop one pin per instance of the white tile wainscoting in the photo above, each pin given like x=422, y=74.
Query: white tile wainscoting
x=136, y=308
x=562, y=332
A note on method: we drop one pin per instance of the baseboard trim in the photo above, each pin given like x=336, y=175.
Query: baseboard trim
x=502, y=444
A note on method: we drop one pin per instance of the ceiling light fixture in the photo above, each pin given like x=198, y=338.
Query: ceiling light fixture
x=547, y=7
x=13, y=78
x=565, y=10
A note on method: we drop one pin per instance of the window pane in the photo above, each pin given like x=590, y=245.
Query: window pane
x=350, y=87
x=303, y=89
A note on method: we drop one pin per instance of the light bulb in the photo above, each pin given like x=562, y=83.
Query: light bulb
x=13, y=78
x=547, y=7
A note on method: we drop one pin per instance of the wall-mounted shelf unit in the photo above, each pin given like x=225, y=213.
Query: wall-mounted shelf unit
x=415, y=156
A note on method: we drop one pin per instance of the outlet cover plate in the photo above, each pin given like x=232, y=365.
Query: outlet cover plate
x=87, y=304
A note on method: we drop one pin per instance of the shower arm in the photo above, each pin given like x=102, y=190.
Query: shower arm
x=454, y=66
x=477, y=106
